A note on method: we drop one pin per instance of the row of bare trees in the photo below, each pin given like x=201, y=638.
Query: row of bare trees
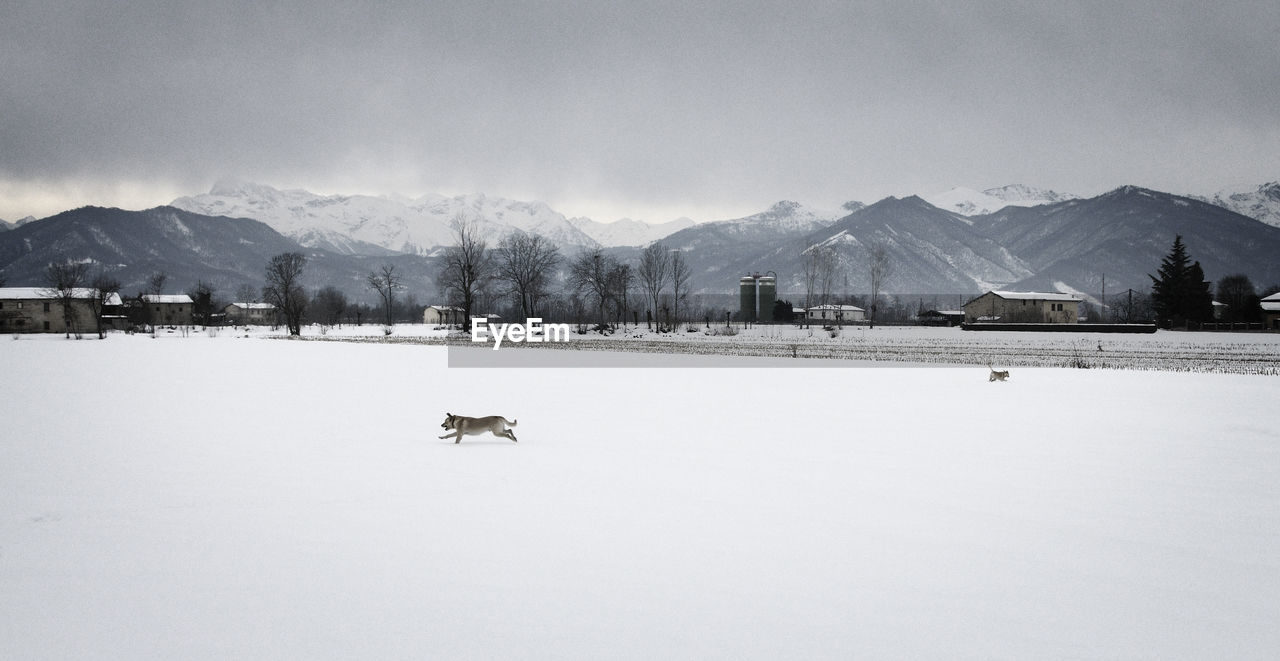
x=823, y=264
x=525, y=267
x=66, y=283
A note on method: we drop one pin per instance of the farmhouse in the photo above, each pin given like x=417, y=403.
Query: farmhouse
x=442, y=314
x=258, y=314
x=833, y=313
x=39, y=310
x=168, y=309
x=1023, y=307
x=1271, y=312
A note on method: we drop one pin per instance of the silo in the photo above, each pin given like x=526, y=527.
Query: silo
x=768, y=290
x=747, y=299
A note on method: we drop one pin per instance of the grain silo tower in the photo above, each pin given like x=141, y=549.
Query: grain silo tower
x=756, y=295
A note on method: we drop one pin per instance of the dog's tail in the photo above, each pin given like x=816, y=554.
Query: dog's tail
x=510, y=423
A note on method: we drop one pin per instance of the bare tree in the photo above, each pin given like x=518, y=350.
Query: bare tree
x=881, y=268
x=525, y=264
x=284, y=289
x=246, y=293
x=155, y=287
x=655, y=271
x=466, y=269
x=680, y=274
x=246, y=296
x=329, y=304
x=828, y=271
x=819, y=273
x=1237, y=292
x=64, y=279
x=386, y=282
x=621, y=282
x=103, y=289
x=201, y=302
x=589, y=274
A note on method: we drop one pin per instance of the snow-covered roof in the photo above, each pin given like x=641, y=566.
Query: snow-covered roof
x=1271, y=305
x=38, y=293
x=1034, y=296
x=444, y=307
x=167, y=298
x=1273, y=297
x=254, y=306
x=842, y=308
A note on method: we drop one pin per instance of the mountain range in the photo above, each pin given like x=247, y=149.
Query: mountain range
x=381, y=225
x=187, y=247
x=969, y=202
x=1068, y=245
x=1260, y=203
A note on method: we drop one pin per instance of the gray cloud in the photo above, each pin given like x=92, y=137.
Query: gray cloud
x=645, y=106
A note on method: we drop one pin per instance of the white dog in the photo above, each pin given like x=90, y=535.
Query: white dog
x=462, y=425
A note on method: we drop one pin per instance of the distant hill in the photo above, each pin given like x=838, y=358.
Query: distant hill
x=226, y=252
x=1124, y=234
x=721, y=251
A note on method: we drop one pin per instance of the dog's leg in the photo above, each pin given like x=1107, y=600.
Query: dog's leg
x=509, y=434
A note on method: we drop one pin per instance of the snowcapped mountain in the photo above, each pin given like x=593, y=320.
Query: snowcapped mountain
x=498, y=217
x=628, y=232
x=369, y=225
x=969, y=202
x=785, y=217
x=932, y=249
x=1261, y=203
x=720, y=251
x=1124, y=234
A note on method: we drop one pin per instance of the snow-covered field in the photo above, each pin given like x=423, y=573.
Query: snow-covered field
x=1174, y=351
x=229, y=497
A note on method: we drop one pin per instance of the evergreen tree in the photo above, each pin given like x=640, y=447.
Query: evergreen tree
x=1180, y=293
x=1198, y=304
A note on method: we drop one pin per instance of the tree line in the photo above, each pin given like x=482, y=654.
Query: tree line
x=532, y=276
x=526, y=269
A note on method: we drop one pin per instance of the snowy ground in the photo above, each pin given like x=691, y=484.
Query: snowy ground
x=1174, y=351
x=213, y=498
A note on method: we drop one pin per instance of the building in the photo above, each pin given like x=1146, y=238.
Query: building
x=256, y=314
x=168, y=309
x=1271, y=311
x=39, y=310
x=1023, y=307
x=830, y=314
x=442, y=315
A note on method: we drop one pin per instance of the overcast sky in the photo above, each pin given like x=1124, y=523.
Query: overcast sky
x=639, y=109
